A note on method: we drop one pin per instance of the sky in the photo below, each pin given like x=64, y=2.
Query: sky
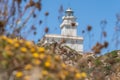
x=88, y=12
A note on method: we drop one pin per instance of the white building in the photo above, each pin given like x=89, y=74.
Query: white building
x=68, y=33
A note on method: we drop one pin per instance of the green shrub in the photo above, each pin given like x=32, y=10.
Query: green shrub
x=113, y=54
x=98, y=62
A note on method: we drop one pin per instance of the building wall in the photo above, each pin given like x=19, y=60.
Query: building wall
x=72, y=43
x=69, y=31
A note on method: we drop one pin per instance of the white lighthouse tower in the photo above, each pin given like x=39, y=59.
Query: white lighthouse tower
x=68, y=33
x=69, y=24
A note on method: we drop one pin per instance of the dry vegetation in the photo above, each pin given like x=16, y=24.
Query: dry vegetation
x=15, y=16
x=23, y=60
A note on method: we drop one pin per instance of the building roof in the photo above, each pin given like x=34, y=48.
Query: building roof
x=69, y=10
x=62, y=36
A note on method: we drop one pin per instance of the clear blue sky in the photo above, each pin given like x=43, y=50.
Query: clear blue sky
x=88, y=12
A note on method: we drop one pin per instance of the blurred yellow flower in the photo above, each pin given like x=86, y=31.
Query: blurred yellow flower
x=9, y=53
x=23, y=49
x=32, y=49
x=78, y=75
x=7, y=48
x=28, y=43
x=63, y=65
x=57, y=57
x=28, y=67
x=44, y=72
x=36, y=61
x=49, y=58
x=42, y=56
x=35, y=55
x=4, y=37
x=47, y=64
x=15, y=40
x=61, y=75
x=26, y=78
x=65, y=73
x=41, y=49
x=16, y=45
x=10, y=41
x=83, y=74
x=21, y=41
x=19, y=74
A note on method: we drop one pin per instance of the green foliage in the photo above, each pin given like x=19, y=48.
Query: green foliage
x=113, y=54
x=97, y=62
x=117, y=60
x=108, y=67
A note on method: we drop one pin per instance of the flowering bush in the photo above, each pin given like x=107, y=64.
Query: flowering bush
x=22, y=60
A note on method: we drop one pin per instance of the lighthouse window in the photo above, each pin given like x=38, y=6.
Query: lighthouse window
x=69, y=13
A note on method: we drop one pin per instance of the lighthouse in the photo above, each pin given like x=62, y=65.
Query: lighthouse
x=69, y=24
x=68, y=33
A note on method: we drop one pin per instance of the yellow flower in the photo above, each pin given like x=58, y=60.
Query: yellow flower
x=16, y=45
x=15, y=40
x=57, y=58
x=19, y=74
x=4, y=37
x=7, y=48
x=28, y=43
x=78, y=75
x=41, y=49
x=62, y=75
x=63, y=65
x=10, y=41
x=27, y=78
x=23, y=49
x=35, y=55
x=32, y=49
x=36, y=61
x=47, y=64
x=28, y=67
x=83, y=74
x=42, y=56
x=72, y=70
x=44, y=72
x=21, y=41
x=9, y=53
x=48, y=58
x=65, y=72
